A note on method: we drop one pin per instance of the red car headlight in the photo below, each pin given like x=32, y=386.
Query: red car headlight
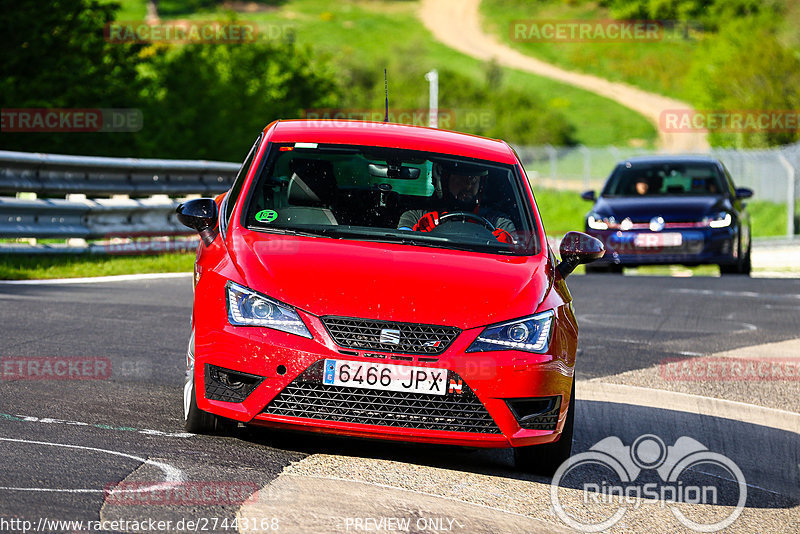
x=531, y=334
x=251, y=308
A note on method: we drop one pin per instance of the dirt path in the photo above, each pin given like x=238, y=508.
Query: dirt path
x=456, y=23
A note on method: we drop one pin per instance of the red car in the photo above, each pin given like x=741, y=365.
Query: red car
x=384, y=281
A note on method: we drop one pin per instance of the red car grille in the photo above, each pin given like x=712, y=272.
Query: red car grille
x=308, y=397
x=366, y=334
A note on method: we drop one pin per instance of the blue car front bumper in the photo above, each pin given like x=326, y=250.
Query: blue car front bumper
x=644, y=247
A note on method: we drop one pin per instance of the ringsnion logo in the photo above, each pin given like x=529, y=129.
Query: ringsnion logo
x=647, y=453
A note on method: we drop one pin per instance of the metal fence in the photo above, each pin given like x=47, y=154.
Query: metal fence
x=140, y=195
x=773, y=175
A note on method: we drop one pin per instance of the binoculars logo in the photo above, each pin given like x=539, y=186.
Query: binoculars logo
x=647, y=454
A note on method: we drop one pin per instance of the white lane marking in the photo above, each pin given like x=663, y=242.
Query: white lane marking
x=172, y=475
x=746, y=294
x=780, y=307
x=606, y=320
x=96, y=279
x=52, y=420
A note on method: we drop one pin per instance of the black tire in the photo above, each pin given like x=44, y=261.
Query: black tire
x=746, y=266
x=200, y=422
x=545, y=459
x=742, y=266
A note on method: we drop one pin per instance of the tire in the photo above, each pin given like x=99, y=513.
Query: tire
x=196, y=420
x=742, y=266
x=199, y=422
x=746, y=266
x=545, y=459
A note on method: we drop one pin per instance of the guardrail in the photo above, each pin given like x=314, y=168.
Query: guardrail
x=88, y=219
x=52, y=175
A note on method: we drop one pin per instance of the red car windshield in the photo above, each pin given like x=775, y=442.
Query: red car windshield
x=382, y=194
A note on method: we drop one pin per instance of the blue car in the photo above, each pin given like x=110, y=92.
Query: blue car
x=657, y=210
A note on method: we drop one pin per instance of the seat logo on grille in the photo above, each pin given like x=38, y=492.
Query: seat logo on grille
x=390, y=336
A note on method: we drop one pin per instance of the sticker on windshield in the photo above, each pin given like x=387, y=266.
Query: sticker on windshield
x=266, y=216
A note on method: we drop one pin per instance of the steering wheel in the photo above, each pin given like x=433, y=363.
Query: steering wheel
x=466, y=216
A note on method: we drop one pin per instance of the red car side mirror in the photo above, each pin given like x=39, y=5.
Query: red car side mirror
x=577, y=248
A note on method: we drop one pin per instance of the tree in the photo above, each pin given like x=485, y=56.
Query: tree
x=55, y=55
x=210, y=101
x=746, y=68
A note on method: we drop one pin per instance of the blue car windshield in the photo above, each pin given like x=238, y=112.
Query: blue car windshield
x=639, y=179
x=381, y=194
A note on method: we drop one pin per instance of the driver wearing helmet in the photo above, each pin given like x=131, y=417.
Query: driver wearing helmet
x=458, y=187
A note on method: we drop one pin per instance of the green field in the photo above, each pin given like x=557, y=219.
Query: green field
x=35, y=267
x=659, y=66
x=380, y=34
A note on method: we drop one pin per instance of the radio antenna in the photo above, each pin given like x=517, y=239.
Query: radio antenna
x=386, y=93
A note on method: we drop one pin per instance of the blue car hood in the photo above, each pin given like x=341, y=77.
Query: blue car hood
x=671, y=208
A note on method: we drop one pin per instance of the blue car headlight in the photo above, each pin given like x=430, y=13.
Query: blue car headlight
x=531, y=334
x=720, y=220
x=250, y=308
x=595, y=221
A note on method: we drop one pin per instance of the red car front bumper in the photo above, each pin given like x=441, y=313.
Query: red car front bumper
x=490, y=380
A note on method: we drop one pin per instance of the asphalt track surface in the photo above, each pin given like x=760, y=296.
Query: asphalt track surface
x=63, y=442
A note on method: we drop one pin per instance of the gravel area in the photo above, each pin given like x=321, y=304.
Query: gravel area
x=524, y=496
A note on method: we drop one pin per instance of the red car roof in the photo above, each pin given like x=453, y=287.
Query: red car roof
x=385, y=134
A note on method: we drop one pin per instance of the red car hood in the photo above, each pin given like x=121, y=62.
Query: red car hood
x=391, y=282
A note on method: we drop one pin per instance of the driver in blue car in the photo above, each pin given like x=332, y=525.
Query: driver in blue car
x=458, y=190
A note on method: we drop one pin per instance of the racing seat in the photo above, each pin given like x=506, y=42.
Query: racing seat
x=312, y=193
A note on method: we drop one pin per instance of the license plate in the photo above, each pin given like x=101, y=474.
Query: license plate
x=384, y=376
x=658, y=240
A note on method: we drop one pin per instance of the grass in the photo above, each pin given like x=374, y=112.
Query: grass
x=29, y=267
x=376, y=33
x=131, y=10
x=563, y=211
x=659, y=66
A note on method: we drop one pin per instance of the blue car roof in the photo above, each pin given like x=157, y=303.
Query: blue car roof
x=667, y=159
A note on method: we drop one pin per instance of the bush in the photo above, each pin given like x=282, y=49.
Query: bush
x=55, y=56
x=210, y=101
x=746, y=68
